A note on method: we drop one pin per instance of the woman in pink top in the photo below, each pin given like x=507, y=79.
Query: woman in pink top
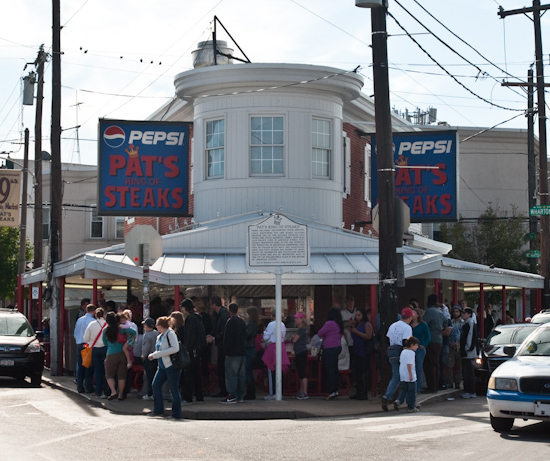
x=331, y=333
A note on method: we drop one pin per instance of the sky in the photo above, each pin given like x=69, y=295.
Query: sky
x=119, y=58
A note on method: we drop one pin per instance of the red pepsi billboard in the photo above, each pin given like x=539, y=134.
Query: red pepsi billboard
x=143, y=168
x=426, y=174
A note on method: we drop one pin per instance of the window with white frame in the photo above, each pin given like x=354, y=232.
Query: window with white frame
x=96, y=224
x=266, y=145
x=367, y=173
x=119, y=227
x=46, y=217
x=321, y=148
x=215, y=148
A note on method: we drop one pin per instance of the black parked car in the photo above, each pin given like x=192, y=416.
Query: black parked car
x=20, y=351
x=492, y=353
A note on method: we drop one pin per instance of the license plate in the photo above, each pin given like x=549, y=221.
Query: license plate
x=542, y=409
x=7, y=363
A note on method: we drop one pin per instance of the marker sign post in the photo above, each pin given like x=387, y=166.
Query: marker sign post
x=277, y=245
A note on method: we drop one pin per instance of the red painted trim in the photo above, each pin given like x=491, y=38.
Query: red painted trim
x=482, y=305
x=20, y=306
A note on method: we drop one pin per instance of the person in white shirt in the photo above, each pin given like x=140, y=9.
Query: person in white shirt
x=94, y=331
x=407, y=373
x=397, y=333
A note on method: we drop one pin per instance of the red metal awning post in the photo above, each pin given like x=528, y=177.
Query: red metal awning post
x=455, y=292
x=20, y=296
x=373, y=315
x=504, y=309
x=482, y=304
x=62, y=325
x=523, y=304
x=437, y=287
x=177, y=297
x=94, y=292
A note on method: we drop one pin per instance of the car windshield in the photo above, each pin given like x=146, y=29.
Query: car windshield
x=538, y=344
x=15, y=326
x=499, y=337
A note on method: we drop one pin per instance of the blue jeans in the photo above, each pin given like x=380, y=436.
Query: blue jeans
x=419, y=360
x=173, y=377
x=395, y=378
x=250, y=357
x=83, y=374
x=235, y=376
x=98, y=363
x=150, y=368
x=408, y=392
x=330, y=368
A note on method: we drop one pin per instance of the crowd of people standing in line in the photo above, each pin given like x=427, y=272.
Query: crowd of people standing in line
x=443, y=346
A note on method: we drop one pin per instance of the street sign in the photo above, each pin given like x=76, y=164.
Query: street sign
x=539, y=210
x=531, y=236
x=532, y=254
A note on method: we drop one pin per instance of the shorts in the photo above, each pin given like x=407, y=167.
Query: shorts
x=301, y=360
x=115, y=365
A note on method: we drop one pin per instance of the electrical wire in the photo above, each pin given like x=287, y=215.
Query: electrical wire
x=445, y=70
x=463, y=41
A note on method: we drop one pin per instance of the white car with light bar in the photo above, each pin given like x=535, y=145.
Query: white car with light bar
x=520, y=387
x=20, y=351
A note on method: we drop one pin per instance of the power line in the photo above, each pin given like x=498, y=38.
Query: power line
x=445, y=70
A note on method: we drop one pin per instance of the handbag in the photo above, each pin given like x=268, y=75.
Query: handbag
x=180, y=360
x=86, y=351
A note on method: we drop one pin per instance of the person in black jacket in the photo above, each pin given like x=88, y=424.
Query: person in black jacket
x=219, y=319
x=234, y=345
x=194, y=341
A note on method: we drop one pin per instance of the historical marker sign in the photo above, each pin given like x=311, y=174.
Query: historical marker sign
x=277, y=241
x=10, y=197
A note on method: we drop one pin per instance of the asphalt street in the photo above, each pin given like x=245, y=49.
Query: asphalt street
x=50, y=424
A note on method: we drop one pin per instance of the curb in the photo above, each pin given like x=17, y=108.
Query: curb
x=249, y=414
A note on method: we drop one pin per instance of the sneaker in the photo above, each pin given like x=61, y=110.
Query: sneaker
x=298, y=395
x=303, y=397
x=154, y=415
x=229, y=399
x=332, y=396
x=413, y=410
x=199, y=401
x=384, y=404
x=186, y=402
x=103, y=396
x=396, y=405
x=467, y=395
x=270, y=397
x=240, y=400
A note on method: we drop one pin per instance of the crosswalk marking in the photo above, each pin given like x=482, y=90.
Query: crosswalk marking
x=406, y=423
x=438, y=433
x=376, y=419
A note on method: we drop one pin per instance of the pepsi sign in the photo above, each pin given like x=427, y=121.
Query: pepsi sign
x=143, y=168
x=426, y=174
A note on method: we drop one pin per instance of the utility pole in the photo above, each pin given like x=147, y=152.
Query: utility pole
x=39, y=63
x=543, y=161
x=23, y=224
x=387, y=265
x=57, y=318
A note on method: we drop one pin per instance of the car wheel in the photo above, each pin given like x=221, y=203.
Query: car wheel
x=501, y=424
x=36, y=380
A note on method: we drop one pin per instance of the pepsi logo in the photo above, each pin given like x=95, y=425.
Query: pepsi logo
x=114, y=136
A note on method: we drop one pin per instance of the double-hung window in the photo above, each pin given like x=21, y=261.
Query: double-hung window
x=119, y=227
x=321, y=148
x=215, y=148
x=96, y=224
x=266, y=145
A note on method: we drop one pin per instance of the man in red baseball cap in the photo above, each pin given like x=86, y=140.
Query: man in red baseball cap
x=397, y=332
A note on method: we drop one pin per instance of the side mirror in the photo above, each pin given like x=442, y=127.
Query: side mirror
x=510, y=350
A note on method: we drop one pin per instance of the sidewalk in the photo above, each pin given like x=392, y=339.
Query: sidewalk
x=288, y=408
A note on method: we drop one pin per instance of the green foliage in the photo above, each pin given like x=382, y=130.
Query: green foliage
x=496, y=239
x=9, y=258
